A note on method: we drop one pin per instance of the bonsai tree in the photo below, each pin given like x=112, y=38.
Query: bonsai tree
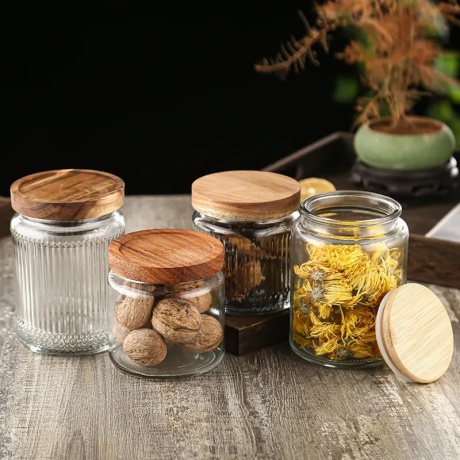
x=398, y=43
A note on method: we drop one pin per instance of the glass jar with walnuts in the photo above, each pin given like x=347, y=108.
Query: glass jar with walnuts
x=168, y=302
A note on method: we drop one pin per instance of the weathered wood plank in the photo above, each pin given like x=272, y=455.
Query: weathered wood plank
x=265, y=405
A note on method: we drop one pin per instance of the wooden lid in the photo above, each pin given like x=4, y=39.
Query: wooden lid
x=415, y=334
x=67, y=194
x=245, y=195
x=166, y=256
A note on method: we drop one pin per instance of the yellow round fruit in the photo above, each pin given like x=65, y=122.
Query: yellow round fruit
x=314, y=185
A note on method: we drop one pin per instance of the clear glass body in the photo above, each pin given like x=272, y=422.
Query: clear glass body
x=61, y=292
x=167, y=330
x=349, y=249
x=257, y=262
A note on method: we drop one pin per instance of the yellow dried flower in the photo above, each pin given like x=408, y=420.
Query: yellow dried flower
x=336, y=297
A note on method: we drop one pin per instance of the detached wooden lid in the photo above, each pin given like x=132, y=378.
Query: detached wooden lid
x=67, y=194
x=415, y=334
x=166, y=256
x=246, y=195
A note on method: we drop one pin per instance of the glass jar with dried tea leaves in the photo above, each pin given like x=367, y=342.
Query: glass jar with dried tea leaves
x=251, y=212
x=168, y=302
x=349, y=249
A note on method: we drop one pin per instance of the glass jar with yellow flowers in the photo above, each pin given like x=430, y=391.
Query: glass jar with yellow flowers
x=348, y=250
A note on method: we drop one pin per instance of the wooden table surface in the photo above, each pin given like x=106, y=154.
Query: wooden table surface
x=265, y=405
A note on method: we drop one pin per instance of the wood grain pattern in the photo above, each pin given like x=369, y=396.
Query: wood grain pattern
x=67, y=194
x=266, y=405
x=166, y=256
x=417, y=333
x=245, y=195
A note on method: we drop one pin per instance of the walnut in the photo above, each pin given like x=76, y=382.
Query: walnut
x=208, y=338
x=176, y=319
x=241, y=243
x=135, y=287
x=263, y=249
x=244, y=272
x=184, y=287
x=241, y=280
x=145, y=346
x=120, y=332
x=201, y=300
x=133, y=312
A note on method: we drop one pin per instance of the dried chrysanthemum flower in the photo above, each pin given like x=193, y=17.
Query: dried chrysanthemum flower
x=336, y=302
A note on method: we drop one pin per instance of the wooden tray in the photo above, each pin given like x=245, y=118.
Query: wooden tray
x=430, y=260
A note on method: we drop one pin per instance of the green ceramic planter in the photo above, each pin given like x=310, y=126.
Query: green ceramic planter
x=405, y=152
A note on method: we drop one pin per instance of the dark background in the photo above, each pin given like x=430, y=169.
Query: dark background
x=158, y=92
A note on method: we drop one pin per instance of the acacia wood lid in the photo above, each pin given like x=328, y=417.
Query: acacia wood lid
x=246, y=195
x=166, y=256
x=67, y=194
x=415, y=334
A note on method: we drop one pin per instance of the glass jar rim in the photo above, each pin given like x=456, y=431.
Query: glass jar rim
x=68, y=226
x=389, y=208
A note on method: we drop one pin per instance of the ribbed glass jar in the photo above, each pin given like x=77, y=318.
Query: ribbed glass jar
x=252, y=213
x=61, y=231
x=348, y=250
x=167, y=317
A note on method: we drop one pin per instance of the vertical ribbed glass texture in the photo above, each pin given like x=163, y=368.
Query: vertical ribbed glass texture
x=257, y=262
x=61, y=286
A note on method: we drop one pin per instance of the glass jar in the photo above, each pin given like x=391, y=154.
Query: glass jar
x=251, y=212
x=349, y=249
x=64, y=222
x=168, y=302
